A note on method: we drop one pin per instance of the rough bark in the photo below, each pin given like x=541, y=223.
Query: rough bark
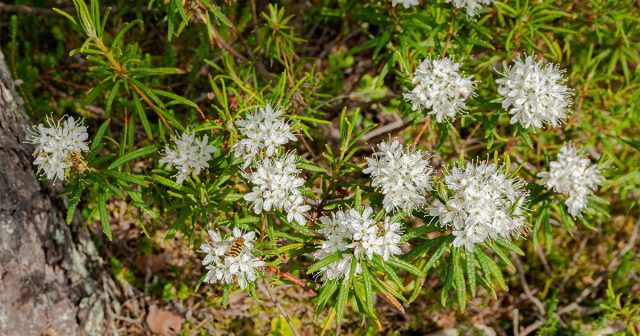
x=46, y=267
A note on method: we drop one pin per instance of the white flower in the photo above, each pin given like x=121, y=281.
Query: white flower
x=225, y=266
x=358, y=236
x=276, y=186
x=441, y=88
x=391, y=238
x=405, y=3
x=471, y=6
x=535, y=93
x=404, y=177
x=481, y=203
x=58, y=146
x=573, y=174
x=188, y=155
x=264, y=132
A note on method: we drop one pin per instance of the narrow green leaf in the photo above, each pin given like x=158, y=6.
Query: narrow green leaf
x=437, y=254
x=311, y=167
x=140, y=152
x=388, y=270
x=368, y=290
x=509, y=246
x=448, y=281
x=399, y=263
x=458, y=277
x=177, y=224
x=74, y=200
x=103, y=195
x=137, y=103
x=343, y=293
x=492, y=267
x=501, y=254
x=97, y=138
x=326, y=293
x=111, y=98
x=324, y=262
x=471, y=272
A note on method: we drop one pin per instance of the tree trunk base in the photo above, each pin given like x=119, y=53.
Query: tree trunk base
x=47, y=285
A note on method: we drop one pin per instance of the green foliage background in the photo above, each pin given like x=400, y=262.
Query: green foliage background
x=339, y=69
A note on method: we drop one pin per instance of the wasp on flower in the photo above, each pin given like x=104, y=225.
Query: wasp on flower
x=231, y=260
x=59, y=147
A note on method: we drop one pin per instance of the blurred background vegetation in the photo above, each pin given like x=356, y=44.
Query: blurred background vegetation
x=577, y=277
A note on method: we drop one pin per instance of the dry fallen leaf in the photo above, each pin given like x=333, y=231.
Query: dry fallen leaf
x=152, y=263
x=163, y=322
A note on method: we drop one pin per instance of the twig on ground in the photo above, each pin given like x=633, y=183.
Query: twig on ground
x=525, y=286
x=283, y=312
x=543, y=260
x=587, y=291
x=398, y=124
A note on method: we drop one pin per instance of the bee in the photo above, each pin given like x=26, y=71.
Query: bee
x=236, y=247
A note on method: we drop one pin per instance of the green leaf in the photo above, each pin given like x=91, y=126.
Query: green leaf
x=405, y=266
x=421, y=231
x=343, y=293
x=368, y=290
x=471, y=273
x=324, y=262
x=461, y=288
x=137, y=103
x=176, y=98
x=140, y=152
x=509, y=246
x=103, y=195
x=111, y=97
x=501, y=255
x=177, y=224
x=487, y=264
x=311, y=167
x=326, y=293
x=95, y=92
x=74, y=200
x=444, y=243
x=97, y=138
x=377, y=260
x=448, y=281
x=158, y=71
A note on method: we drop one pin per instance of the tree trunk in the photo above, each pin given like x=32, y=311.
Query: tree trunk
x=47, y=282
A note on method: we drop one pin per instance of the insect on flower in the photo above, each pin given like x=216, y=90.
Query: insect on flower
x=236, y=247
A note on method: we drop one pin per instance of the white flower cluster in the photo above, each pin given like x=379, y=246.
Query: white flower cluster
x=573, y=174
x=188, y=155
x=405, y=3
x=264, y=132
x=276, y=185
x=535, y=93
x=404, y=177
x=440, y=87
x=231, y=260
x=471, y=6
x=359, y=236
x=58, y=146
x=481, y=203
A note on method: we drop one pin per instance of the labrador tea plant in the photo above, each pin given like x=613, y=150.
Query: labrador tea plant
x=374, y=154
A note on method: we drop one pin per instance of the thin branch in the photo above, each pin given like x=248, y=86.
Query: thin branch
x=422, y=130
x=525, y=286
x=283, y=312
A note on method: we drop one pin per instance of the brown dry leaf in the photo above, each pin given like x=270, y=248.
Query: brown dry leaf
x=153, y=263
x=164, y=322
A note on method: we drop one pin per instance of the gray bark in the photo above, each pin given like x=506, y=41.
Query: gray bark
x=46, y=267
